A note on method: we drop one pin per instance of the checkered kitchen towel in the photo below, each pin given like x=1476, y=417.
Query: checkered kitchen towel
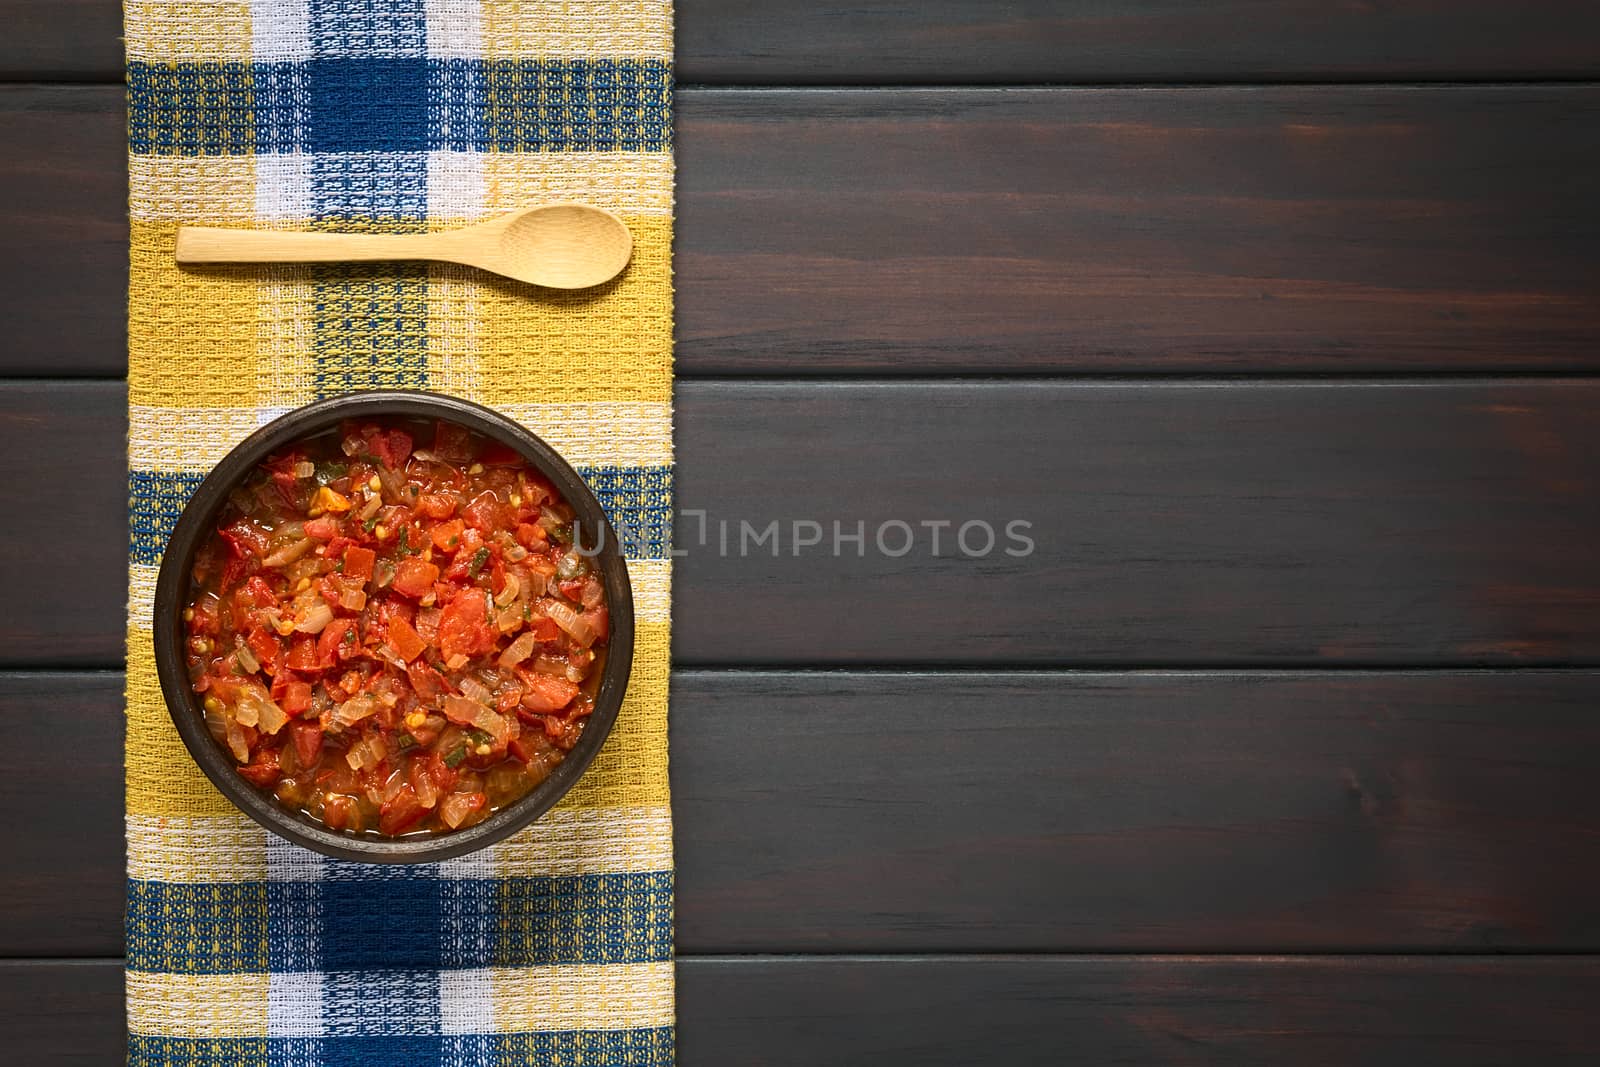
x=399, y=115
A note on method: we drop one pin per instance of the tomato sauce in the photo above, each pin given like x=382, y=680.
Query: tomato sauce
x=393, y=629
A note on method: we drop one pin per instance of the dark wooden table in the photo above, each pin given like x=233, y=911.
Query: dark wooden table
x=1279, y=323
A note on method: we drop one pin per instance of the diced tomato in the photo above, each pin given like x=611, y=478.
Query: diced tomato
x=444, y=776
x=338, y=642
x=245, y=538
x=437, y=505
x=264, y=769
x=390, y=608
x=451, y=442
x=256, y=593
x=401, y=812
x=336, y=546
x=391, y=448
x=572, y=590
x=204, y=619
x=358, y=562
x=530, y=536
x=485, y=514
x=554, y=726
x=415, y=577
x=599, y=620
x=427, y=682
x=508, y=699
x=325, y=528
x=296, y=697
x=447, y=535
x=544, y=693
x=268, y=649
x=336, y=810
x=545, y=629
x=307, y=738
x=405, y=640
x=427, y=622
x=496, y=454
x=303, y=654
x=466, y=628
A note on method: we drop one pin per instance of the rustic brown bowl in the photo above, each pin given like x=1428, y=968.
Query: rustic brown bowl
x=172, y=591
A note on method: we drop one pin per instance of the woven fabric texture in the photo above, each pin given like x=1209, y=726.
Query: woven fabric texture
x=393, y=116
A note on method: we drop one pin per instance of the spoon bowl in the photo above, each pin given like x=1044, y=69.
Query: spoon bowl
x=560, y=246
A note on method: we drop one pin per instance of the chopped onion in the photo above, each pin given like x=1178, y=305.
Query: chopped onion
x=464, y=712
x=370, y=508
x=305, y=469
x=383, y=574
x=288, y=553
x=473, y=689
x=365, y=754
x=236, y=743
x=516, y=553
x=354, y=710
x=273, y=717
x=427, y=789
x=576, y=626
x=509, y=619
x=512, y=590
x=424, y=455
x=316, y=620
x=518, y=650
x=554, y=666
x=455, y=808
x=247, y=659
x=257, y=709
x=353, y=599
x=569, y=566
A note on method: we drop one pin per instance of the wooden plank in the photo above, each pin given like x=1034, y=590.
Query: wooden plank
x=1272, y=230
x=932, y=1013
x=849, y=812
x=1239, y=1012
x=64, y=184
x=62, y=1012
x=1175, y=524
x=65, y=886
x=67, y=539
x=955, y=41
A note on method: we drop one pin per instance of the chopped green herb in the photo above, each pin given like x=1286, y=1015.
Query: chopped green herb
x=456, y=758
x=478, y=737
x=349, y=637
x=370, y=524
x=339, y=566
x=478, y=560
x=561, y=535
x=407, y=742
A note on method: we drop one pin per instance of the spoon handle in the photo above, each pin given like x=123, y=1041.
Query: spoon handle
x=208, y=244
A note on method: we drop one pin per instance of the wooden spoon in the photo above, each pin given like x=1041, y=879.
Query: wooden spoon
x=563, y=246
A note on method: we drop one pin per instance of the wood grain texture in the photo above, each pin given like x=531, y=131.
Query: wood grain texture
x=850, y=812
x=943, y=1012
x=1270, y=230
x=1173, y=524
x=66, y=1012
x=909, y=41
x=64, y=187
x=1020, y=41
x=67, y=560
